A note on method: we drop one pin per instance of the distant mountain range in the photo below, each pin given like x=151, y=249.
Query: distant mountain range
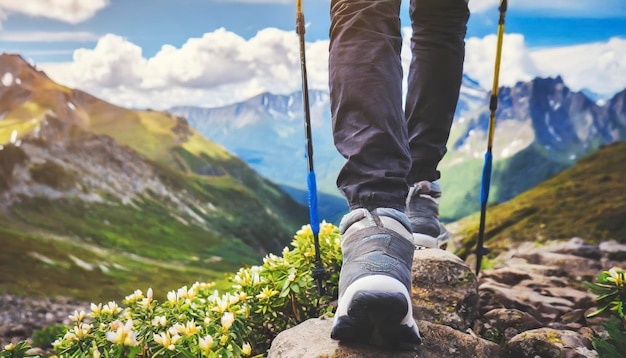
x=96, y=200
x=542, y=128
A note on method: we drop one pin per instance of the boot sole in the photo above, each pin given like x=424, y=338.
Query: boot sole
x=377, y=318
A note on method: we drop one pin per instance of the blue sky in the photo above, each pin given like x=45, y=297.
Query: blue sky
x=160, y=53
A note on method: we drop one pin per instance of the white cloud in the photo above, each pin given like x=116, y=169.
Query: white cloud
x=600, y=66
x=71, y=11
x=114, y=62
x=516, y=63
x=221, y=67
x=477, y=6
x=43, y=36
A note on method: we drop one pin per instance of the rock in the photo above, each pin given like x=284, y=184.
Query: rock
x=437, y=274
x=21, y=316
x=312, y=339
x=614, y=250
x=503, y=323
x=577, y=246
x=549, y=343
x=532, y=304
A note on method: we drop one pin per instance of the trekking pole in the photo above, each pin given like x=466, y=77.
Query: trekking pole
x=486, y=179
x=319, y=272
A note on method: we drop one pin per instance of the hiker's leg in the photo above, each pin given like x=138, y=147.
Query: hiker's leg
x=374, y=302
x=366, y=102
x=438, y=51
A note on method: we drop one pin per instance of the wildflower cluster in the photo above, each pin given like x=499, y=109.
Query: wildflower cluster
x=611, y=290
x=200, y=321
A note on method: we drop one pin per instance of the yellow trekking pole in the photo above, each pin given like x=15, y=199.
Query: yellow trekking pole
x=493, y=106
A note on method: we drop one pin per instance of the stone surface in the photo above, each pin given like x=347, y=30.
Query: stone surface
x=532, y=304
x=549, y=343
x=312, y=339
x=437, y=274
x=21, y=316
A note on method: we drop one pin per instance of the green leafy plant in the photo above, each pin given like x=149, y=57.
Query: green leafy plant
x=201, y=321
x=611, y=290
x=18, y=350
x=43, y=338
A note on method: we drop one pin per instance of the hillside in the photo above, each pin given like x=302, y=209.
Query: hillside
x=90, y=192
x=587, y=201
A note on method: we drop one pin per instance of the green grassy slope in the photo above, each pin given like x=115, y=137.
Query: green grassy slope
x=587, y=201
x=100, y=250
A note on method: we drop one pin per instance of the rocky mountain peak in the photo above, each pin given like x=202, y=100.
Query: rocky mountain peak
x=14, y=70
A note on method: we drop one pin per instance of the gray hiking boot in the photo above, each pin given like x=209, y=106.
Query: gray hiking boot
x=375, y=281
x=422, y=208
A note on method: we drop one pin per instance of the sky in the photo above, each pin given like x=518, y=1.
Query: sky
x=163, y=53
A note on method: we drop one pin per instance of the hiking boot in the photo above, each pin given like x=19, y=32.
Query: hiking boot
x=422, y=208
x=375, y=280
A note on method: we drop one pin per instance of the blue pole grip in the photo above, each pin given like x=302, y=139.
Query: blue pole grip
x=484, y=192
x=313, y=216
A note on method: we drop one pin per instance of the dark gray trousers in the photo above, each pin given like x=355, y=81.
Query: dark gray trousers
x=388, y=149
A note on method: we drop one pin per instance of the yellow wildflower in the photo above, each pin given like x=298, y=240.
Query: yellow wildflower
x=189, y=329
x=223, y=303
x=183, y=292
x=305, y=231
x=111, y=308
x=327, y=229
x=266, y=293
x=82, y=330
x=166, y=340
x=202, y=286
x=78, y=316
x=242, y=296
x=96, y=353
x=69, y=336
x=96, y=311
x=9, y=347
x=205, y=343
x=616, y=276
x=134, y=297
x=246, y=349
x=159, y=321
x=123, y=335
x=227, y=320
x=172, y=298
x=223, y=340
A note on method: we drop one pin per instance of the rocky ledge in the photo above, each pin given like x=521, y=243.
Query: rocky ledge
x=21, y=316
x=531, y=304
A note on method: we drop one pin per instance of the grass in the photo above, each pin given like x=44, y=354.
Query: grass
x=46, y=265
x=587, y=201
x=227, y=215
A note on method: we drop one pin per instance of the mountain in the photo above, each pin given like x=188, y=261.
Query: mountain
x=267, y=131
x=98, y=200
x=542, y=128
x=587, y=200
